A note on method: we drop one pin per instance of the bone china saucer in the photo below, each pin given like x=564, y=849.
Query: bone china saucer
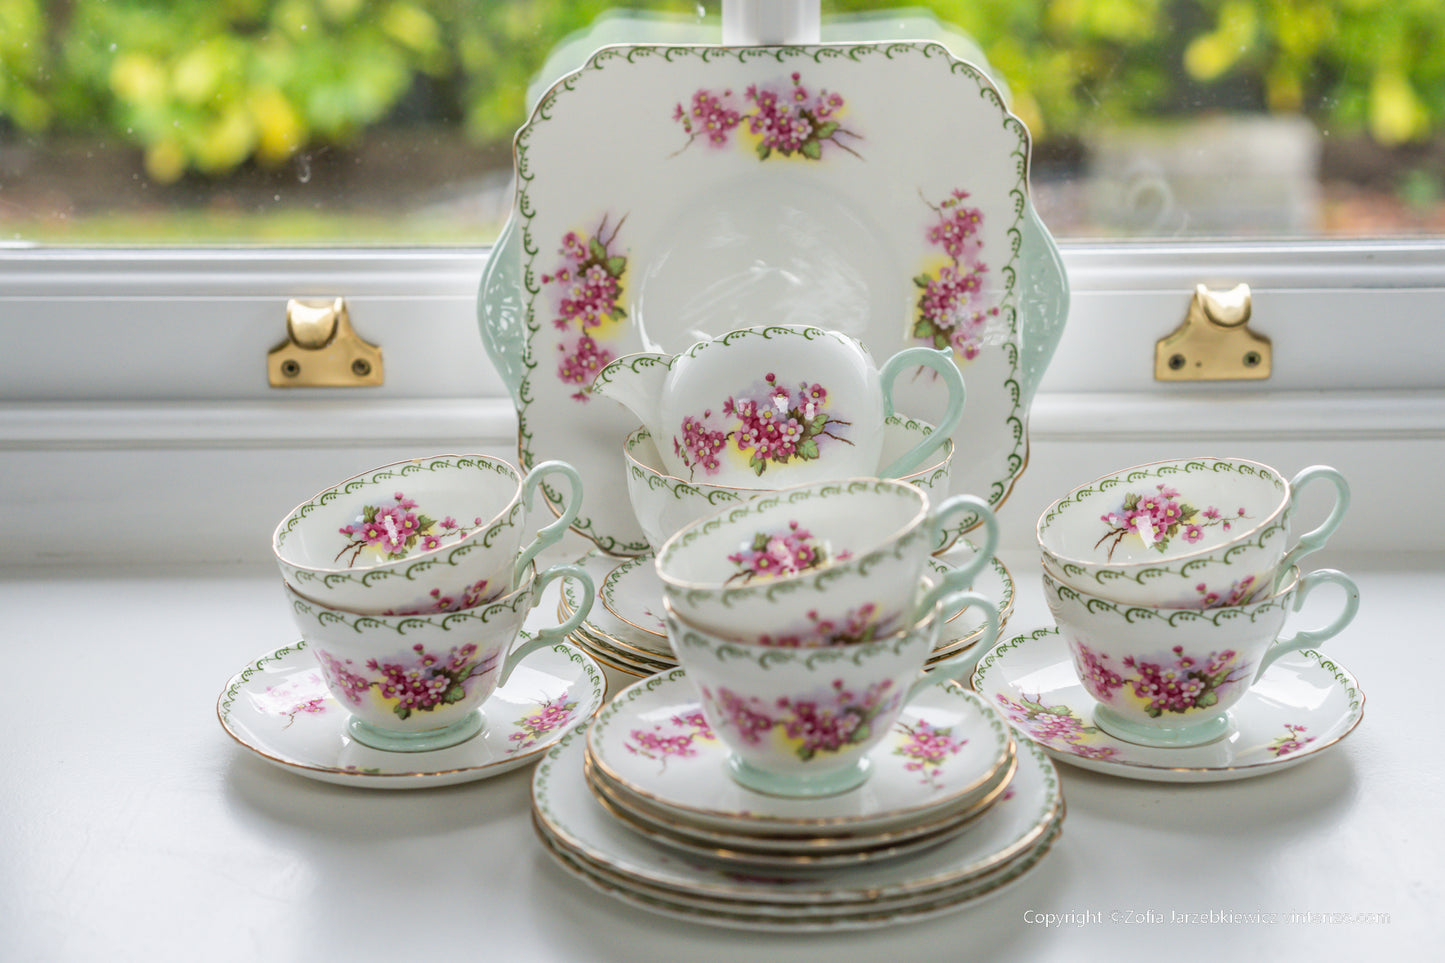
x=1303, y=705
x=280, y=709
x=653, y=742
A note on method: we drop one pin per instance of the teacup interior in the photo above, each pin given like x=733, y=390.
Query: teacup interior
x=401, y=511
x=1163, y=511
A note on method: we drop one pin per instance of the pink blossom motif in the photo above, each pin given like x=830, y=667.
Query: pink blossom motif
x=300, y=695
x=587, y=292
x=955, y=305
x=862, y=624
x=815, y=724
x=675, y=740
x=770, y=425
x=470, y=597
x=390, y=531
x=1238, y=593
x=786, y=119
x=1156, y=518
x=1054, y=726
x=414, y=681
x=927, y=748
x=773, y=554
x=549, y=717
x=1177, y=684
x=1292, y=741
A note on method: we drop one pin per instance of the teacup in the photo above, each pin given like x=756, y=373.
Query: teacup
x=1168, y=676
x=1190, y=533
x=422, y=536
x=415, y=683
x=847, y=552
x=778, y=405
x=665, y=503
x=801, y=721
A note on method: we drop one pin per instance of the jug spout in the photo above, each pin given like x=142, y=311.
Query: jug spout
x=635, y=381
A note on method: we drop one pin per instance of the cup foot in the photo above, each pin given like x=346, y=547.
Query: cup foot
x=426, y=740
x=1196, y=734
x=799, y=785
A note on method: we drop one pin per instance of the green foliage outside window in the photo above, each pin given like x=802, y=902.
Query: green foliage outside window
x=209, y=85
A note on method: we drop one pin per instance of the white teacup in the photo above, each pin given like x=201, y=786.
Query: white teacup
x=1188, y=533
x=1166, y=676
x=422, y=536
x=777, y=405
x=415, y=683
x=800, y=721
x=783, y=561
x=665, y=503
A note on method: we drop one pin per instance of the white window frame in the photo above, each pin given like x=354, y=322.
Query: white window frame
x=137, y=377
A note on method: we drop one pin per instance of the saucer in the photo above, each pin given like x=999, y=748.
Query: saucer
x=279, y=708
x=571, y=819
x=601, y=621
x=1301, y=706
x=633, y=592
x=653, y=742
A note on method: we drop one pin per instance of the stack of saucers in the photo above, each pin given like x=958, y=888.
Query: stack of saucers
x=625, y=630
x=641, y=806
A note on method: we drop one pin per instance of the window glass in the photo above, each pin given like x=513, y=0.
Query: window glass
x=389, y=122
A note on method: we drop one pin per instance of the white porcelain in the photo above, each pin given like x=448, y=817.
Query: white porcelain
x=421, y=536
x=417, y=683
x=279, y=707
x=801, y=721
x=781, y=404
x=570, y=817
x=1195, y=532
x=1168, y=677
x=654, y=741
x=602, y=622
x=665, y=503
x=686, y=240
x=844, y=553
x=1302, y=706
x=633, y=592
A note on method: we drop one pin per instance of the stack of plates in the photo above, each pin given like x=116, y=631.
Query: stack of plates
x=640, y=806
x=624, y=629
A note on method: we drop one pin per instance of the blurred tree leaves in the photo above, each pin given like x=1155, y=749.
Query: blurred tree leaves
x=209, y=85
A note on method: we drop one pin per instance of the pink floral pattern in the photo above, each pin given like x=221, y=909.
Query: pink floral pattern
x=772, y=425
x=1180, y=684
x=391, y=531
x=1238, y=593
x=1053, y=726
x=1156, y=518
x=786, y=118
x=549, y=717
x=1293, y=740
x=676, y=741
x=954, y=306
x=772, y=554
x=416, y=681
x=470, y=597
x=927, y=748
x=863, y=624
x=588, y=291
x=830, y=722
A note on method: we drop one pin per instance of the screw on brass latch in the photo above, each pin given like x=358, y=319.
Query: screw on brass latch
x=322, y=350
x=1214, y=342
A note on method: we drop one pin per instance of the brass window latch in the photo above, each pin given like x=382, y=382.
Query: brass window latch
x=1214, y=342
x=322, y=350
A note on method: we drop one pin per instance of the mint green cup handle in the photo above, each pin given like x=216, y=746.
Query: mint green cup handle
x=962, y=665
x=1311, y=637
x=552, y=534
x=1313, y=541
x=556, y=633
x=941, y=361
x=961, y=578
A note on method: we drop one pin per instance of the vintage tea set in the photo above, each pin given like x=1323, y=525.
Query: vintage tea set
x=814, y=721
